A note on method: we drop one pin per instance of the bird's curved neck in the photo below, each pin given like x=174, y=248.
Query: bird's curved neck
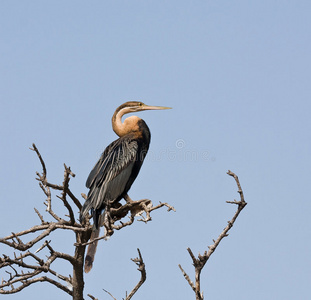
x=122, y=128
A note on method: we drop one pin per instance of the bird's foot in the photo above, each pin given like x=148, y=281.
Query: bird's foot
x=128, y=199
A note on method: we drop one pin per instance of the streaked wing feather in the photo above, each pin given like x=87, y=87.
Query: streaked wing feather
x=101, y=163
x=112, y=189
x=109, y=176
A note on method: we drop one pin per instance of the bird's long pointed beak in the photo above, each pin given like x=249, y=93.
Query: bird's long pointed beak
x=150, y=107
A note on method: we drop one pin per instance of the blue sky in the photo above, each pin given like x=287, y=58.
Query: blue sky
x=237, y=74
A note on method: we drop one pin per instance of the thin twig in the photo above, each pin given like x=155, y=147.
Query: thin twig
x=92, y=297
x=187, y=277
x=40, y=158
x=39, y=215
x=109, y=294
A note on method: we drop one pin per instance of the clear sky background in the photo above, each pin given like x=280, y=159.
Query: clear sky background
x=237, y=74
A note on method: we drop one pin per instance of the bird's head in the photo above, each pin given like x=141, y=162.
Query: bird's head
x=135, y=106
x=130, y=123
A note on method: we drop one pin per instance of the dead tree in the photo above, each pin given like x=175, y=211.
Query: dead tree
x=27, y=267
x=200, y=261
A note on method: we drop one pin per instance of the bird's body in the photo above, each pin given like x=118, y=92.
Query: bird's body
x=114, y=173
x=116, y=170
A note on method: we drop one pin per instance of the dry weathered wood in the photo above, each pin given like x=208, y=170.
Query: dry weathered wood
x=142, y=269
x=26, y=267
x=200, y=261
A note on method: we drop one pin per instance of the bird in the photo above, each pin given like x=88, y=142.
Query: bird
x=117, y=168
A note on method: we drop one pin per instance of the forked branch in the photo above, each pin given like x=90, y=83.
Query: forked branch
x=200, y=261
x=142, y=269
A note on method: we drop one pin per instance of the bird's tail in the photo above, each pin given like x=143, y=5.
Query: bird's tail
x=91, y=250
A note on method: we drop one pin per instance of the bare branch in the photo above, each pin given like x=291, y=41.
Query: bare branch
x=40, y=158
x=19, y=245
x=43, y=246
x=27, y=268
x=92, y=297
x=201, y=260
x=239, y=186
x=29, y=278
x=135, y=208
x=74, y=199
x=169, y=207
x=109, y=294
x=39, y=215
x=187, y=277
x=64, y=194
x=142, y=269
x=45, y=186
x=48, y=202
x=28, y=282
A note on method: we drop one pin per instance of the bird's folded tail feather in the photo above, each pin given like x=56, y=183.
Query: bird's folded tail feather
x=91, y=251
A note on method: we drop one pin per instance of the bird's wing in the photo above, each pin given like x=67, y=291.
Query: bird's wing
x=109, y=176
x=101, y=163
x=114, y=159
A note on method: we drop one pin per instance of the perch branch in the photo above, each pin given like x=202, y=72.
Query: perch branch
x=135, y=208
